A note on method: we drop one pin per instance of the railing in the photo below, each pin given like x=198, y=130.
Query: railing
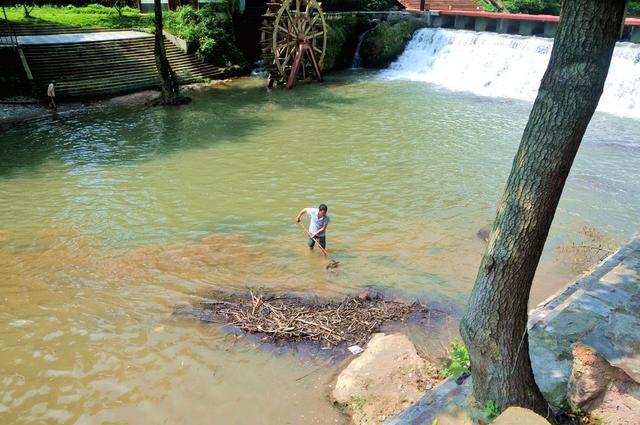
x=371, y=15
x=7, y=35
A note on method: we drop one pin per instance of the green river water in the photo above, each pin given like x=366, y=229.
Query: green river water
x=111, y=219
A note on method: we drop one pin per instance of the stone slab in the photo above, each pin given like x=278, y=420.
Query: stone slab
x=551, y=369
x=448, y=402
x=618, y=342
x=81, y=37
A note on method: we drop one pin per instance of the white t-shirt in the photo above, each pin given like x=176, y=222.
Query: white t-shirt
x=51, y=90
x=316, y=223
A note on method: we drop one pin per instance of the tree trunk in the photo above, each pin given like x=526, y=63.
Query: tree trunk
x=27, y=8
x=168, y=78
x=498, y=4
x=494, y=324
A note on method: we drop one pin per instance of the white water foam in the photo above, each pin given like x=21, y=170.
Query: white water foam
x=500, y=65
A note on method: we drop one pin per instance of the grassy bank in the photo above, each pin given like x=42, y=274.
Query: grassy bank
x=211, y=38
x=88, y=16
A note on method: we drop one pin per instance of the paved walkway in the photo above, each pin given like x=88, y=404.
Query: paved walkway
x=80, y=38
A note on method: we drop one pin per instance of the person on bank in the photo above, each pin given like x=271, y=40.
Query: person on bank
x=318, y=224
x=51, y=92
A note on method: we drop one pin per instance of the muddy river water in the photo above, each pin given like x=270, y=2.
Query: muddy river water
x=111, y=219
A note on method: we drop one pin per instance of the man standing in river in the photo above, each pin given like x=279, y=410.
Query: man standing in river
x=317, y=225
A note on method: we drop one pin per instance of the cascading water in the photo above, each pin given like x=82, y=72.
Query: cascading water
x=511, y=66
x=356, y=57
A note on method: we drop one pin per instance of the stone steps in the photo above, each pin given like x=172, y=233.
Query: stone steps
x=103, y=68
x=45, y=29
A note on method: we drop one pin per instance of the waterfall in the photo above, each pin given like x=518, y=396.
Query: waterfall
x=356, y=57
x=500, y=65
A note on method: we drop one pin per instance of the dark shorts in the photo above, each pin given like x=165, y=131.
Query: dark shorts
x=321, y=239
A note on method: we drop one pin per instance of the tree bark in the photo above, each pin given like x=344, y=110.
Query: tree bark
x=168, y=78
x=498, y=4
x=494, y=326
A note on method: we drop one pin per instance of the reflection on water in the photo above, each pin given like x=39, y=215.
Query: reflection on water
x=110, y=220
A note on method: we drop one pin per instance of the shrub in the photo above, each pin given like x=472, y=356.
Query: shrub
x=211, y=36
x=633, y=8
x=458, y=361
x=491, y=409
x=385, y=42
x=342, y=39
x=534, y=7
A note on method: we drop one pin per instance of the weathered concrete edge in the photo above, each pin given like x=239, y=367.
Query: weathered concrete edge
x=544, y=311
x=181, y=44
x=446, y=394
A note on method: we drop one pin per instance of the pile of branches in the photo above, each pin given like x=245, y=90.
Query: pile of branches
x=331, y=323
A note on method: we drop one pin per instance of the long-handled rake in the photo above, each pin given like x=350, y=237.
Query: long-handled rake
x=332, y=264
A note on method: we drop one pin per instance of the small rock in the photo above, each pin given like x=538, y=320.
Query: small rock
x=462, y=378
x=364, y=295
x=519, y=416
x=589, y=376
x=484, y=234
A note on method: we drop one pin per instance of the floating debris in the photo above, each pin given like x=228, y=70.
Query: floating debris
x=296, y=319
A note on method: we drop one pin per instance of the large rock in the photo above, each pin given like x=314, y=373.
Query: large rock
x=606, y=392
x=382, y=381
x=519, y=416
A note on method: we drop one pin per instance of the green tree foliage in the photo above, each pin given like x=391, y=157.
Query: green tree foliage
x=350, y=5
x=211, y=36
x=548, y=7
x=28, y=5
x=534, y=7
x=386, y=41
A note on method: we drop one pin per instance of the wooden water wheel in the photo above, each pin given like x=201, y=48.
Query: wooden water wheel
x=293, y=40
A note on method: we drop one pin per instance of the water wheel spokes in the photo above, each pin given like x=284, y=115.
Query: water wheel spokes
x=293, y=40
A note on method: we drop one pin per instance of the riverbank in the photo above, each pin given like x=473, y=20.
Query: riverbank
x=584, y=347
x=22, y=110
